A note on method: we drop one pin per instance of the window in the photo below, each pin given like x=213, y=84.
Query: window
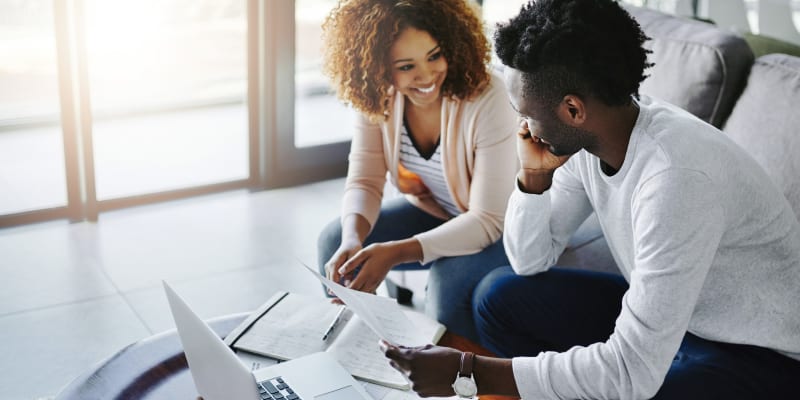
x=320, y=117
x=109, y=103
x=168, y=89
x=32, y=169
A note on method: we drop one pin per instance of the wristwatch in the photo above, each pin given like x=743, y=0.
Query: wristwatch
x=465, y=386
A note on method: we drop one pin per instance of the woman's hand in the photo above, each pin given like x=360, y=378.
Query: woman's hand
x=431, y=369
x=376, y=260
x=410, y=183
x=346, y=250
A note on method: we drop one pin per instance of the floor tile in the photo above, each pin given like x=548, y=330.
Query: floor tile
x=45, y=265
x=44, y=350
x=223, y=293
x=414, y=280
x=177, y=240
x=197, y=237
x=291, y=220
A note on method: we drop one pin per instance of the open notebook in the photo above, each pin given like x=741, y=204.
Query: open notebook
x=291, y=325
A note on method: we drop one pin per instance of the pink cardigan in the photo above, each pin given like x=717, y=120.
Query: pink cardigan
x=478, y=159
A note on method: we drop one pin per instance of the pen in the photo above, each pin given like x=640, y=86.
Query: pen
x=334, y=323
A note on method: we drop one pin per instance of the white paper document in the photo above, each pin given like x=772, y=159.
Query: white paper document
x=289, y=326
x=381, y=314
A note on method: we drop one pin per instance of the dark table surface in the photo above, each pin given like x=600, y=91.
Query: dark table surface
x=152, y=368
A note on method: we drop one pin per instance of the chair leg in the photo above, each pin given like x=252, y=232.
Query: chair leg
x=402, y=294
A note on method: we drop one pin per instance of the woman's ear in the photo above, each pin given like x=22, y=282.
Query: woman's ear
x=572, y=110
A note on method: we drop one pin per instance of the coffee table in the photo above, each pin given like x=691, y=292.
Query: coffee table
x=155, y=368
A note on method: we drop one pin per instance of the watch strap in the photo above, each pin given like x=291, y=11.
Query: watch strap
x=467, y=360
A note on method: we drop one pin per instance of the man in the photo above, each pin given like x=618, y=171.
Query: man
x=708, y=305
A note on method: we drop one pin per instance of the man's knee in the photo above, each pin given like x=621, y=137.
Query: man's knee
x=491, y=292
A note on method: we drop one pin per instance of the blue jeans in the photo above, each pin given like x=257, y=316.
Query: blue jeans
x=555, y=310
x=451, y=280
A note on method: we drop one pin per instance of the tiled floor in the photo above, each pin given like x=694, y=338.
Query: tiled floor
x=73, y=294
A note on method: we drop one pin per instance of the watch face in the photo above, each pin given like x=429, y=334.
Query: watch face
x=465, y=387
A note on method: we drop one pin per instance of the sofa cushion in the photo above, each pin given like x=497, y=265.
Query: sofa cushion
x=763, y=45
x=698, y=66
x=591, y=256
x=766, y=121
x=587, y=249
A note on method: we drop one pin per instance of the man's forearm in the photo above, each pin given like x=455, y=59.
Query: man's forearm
x=495, y=376
x=534, y=181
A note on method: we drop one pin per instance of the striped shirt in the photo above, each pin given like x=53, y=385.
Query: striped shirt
x=429, y=170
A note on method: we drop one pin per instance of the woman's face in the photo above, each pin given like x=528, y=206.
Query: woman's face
x=418, y=67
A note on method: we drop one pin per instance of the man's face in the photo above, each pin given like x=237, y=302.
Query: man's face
x=543, y=122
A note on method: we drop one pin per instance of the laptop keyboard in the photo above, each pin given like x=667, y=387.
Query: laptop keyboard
x=276, y=389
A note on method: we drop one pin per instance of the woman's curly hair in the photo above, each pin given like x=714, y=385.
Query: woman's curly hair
x=582, y=47
x=358, y=35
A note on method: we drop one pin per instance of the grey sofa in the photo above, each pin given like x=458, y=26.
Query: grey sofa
x=712, y=73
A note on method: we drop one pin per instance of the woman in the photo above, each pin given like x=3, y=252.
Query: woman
x=440, y=124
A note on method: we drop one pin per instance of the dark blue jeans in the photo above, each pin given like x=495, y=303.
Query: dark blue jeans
x=555, y=310
x=451, y=280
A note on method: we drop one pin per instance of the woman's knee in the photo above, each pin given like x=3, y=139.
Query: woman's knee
x=328, y=241
x=452, y=280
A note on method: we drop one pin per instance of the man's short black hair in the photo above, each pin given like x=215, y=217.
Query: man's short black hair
x=581, y=47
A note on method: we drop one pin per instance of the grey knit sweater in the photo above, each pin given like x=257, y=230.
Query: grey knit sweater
x=707, y=242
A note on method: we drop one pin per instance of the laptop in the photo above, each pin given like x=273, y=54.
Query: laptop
x=218, y=373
